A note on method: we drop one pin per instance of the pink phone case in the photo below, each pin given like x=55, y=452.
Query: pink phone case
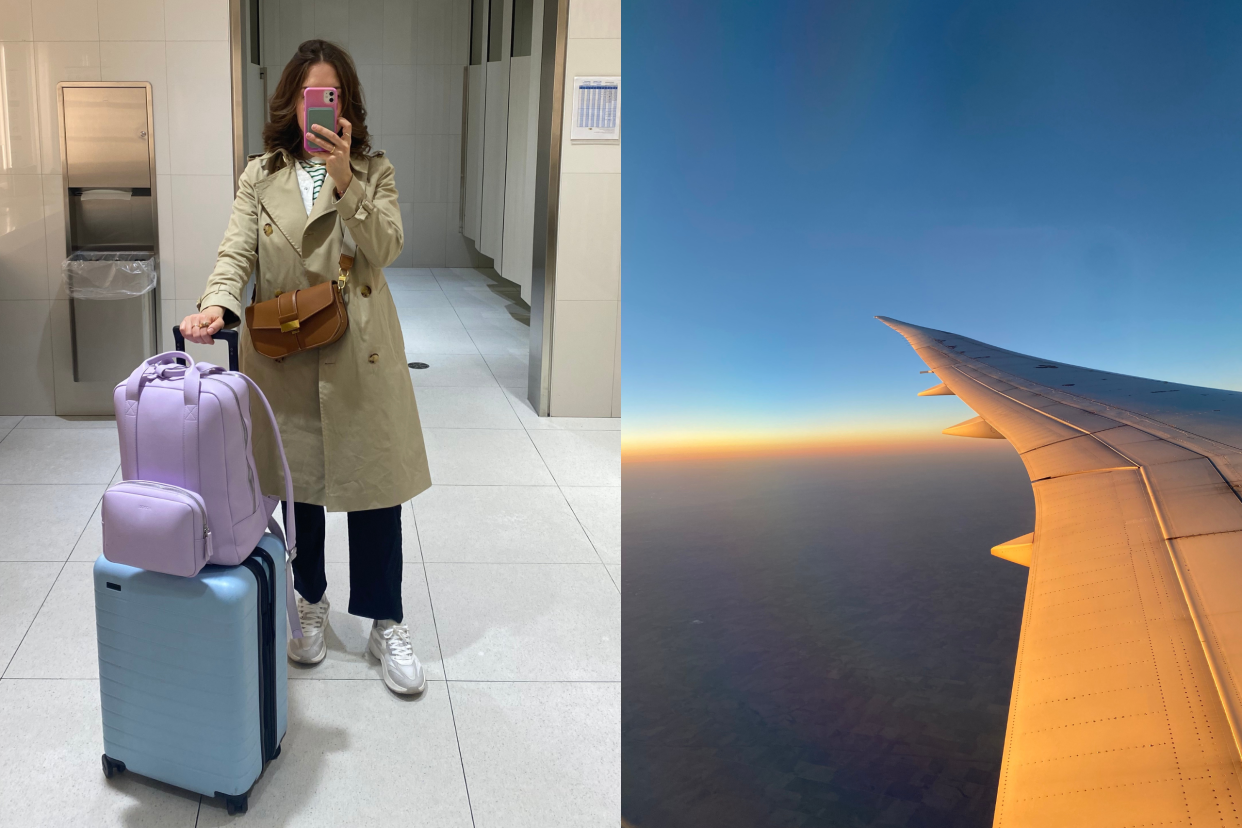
x=324, y=97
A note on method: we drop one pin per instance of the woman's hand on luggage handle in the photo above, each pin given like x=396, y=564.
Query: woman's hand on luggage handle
x=201, y=327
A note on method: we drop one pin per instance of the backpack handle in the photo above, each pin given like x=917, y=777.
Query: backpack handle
x=139, y=377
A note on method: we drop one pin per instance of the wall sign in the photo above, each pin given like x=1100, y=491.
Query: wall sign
x=597, y=109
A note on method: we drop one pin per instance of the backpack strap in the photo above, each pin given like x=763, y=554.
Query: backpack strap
x=190, y=389
x=289, y=536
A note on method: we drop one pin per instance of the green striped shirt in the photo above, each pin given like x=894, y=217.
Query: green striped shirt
x=316, y=171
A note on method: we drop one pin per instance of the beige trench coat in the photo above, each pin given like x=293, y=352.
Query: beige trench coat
x=346, y=412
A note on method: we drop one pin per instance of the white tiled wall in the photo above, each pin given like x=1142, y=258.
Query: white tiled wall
x=410, y=55
x=181, y=47
x=586, y=359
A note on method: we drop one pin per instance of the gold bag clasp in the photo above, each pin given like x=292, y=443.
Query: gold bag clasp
x=291, y=325
x=347, y=266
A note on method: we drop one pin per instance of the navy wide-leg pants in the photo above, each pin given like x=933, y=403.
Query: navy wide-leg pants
x=374, y=559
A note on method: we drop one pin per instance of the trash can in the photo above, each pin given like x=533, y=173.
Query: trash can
x=113, y=315
x=109, y=275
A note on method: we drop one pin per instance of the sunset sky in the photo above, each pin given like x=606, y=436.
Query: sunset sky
x=1034, y=176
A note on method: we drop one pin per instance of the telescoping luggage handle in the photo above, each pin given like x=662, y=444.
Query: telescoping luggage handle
x=228, y=336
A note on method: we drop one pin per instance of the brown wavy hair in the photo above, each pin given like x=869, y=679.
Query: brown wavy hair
x=282, y=130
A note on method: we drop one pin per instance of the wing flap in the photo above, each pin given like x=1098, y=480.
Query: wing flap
x=1072, y=456
x=1143, y=448
x=1124, y=436
x=1078, y=418
x=1021, y=395
x=1155, y=452
x=1210, y=571
x=1193, y=499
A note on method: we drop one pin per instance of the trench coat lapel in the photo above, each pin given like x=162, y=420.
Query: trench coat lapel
x=323, y=204
x=282, y=199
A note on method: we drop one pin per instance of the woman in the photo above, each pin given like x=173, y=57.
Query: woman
x=346, y=411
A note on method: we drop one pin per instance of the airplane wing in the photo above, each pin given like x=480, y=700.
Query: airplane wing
x=1127, y=692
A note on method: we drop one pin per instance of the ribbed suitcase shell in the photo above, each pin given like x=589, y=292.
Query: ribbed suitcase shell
x=179, y=671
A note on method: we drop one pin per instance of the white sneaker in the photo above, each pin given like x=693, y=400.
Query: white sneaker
x=390, y=643
x=310, y=649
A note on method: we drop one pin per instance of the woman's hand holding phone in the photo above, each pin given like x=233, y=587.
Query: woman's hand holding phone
x=321, y=105
x=337, y=147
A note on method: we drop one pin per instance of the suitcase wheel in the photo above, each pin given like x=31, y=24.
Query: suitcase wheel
x=111, y=767
x=236, y=804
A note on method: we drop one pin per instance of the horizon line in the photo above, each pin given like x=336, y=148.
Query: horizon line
x=687, y=447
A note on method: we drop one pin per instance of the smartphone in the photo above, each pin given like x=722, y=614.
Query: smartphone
x=321, y=108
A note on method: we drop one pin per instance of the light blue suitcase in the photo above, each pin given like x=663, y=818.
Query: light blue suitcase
x=192, y=672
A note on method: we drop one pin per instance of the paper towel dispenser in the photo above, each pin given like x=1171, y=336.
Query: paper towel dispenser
x=107, y=135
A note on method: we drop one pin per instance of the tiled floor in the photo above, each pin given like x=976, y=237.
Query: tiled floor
x=511, y=588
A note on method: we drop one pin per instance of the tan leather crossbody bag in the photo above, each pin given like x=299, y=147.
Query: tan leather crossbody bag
x=301, y=320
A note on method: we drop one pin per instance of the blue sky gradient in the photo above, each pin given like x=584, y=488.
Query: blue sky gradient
x=1061, y=179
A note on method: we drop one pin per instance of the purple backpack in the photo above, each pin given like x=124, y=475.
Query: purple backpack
x=191, y=494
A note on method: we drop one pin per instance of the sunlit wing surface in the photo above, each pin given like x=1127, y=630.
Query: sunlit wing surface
x=1127, y=692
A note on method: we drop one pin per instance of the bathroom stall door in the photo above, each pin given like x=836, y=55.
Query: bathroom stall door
x=476, y=85
x=496, y=128
x=519, y=206
x=253, y=72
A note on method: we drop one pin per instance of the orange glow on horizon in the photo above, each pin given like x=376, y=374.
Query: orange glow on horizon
x=651, y=448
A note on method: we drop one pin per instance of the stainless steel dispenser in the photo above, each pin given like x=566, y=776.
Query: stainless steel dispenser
x=107, y=152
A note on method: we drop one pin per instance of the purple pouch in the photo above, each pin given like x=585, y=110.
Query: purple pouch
x=156, y=526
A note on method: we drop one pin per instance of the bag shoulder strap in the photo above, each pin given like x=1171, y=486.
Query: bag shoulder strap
x=348, y=252
x=290, y=534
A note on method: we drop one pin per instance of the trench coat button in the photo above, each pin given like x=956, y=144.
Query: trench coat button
x=366, y=290
x=277, y=293
x=373, y=358
x=267, y=229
